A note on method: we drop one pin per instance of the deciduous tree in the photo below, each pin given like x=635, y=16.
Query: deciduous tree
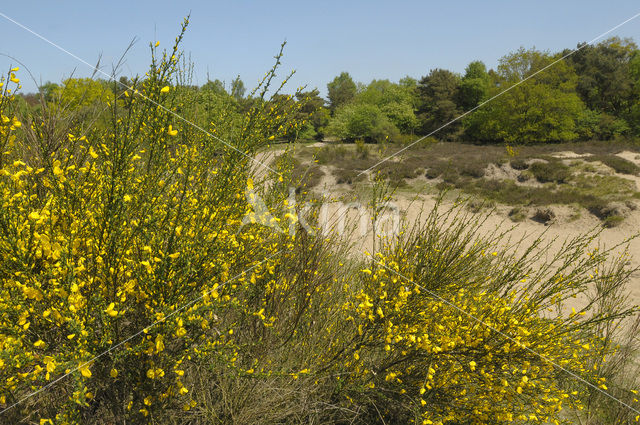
x=541, y=109
x=341, y=90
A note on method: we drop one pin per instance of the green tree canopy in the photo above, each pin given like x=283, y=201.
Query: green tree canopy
x=396, y=101
x=474, y=86
x=438, y=93
x=48, y=90
x=215, y=86
x=634, y=110
x=605, y=81
x=341, y=90
x=542, y=109
x=79, y=92
x=408, y=82
x=313, y=113
x=237, y=88
x=362, y=121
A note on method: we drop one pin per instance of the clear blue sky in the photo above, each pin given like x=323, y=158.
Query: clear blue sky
x=370, y=39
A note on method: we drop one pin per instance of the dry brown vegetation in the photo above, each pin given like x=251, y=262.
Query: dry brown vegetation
x=598, y=177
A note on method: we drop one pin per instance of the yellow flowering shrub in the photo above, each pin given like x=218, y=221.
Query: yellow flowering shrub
x=449, y=329
x=134, y=290
x=77, y=93
x=121, y=237
x=439, y=327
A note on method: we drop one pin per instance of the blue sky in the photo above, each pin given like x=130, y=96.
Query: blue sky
x=369, y=39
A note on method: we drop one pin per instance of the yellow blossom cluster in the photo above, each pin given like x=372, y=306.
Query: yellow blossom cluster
x=139, y=284
x=132, y=224
x=454, y=333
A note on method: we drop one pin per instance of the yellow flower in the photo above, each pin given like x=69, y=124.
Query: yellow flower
x=165, y=89
x=155, y=373
x=110, y=311
x=147, y=266
x=113, y=373
x=39, y=343
x=159, y=343
x=157, y=43
x=85, y=371
x=50, y=363
x=171, y=131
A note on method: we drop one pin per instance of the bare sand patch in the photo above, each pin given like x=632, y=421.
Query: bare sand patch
x=565, y=227
x=630, y=156
x=570, y=155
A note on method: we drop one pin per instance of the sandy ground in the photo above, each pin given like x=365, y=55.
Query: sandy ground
x=353, y=219
x=350, y=213
x=565, y=227
x=261, y=163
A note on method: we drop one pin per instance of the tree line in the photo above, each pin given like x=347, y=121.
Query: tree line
x=592, y=93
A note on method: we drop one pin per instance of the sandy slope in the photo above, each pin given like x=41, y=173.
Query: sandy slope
x=339, y=218
x=412, y=211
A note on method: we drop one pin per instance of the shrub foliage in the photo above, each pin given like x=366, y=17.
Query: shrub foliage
x=138, y=285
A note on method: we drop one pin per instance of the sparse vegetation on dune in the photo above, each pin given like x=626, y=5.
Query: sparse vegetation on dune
x=535, y=176
x=619, y=165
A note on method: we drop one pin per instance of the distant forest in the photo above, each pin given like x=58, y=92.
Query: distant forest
x=592, y=94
